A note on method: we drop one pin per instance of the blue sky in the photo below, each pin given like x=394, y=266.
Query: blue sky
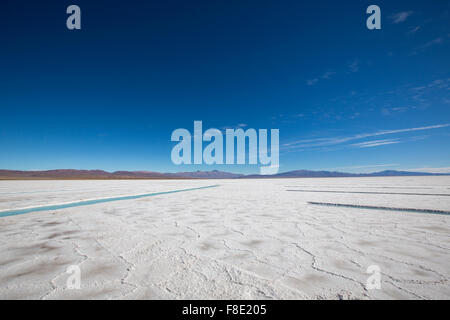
x=109, y=95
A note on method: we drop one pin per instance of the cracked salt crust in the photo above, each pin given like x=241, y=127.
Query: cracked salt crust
x=246, y=239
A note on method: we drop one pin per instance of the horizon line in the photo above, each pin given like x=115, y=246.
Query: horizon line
x=427, y=171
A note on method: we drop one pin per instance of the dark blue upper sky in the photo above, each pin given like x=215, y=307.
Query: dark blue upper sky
x=109, y=95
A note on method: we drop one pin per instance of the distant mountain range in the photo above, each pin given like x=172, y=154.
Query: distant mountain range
x=215, y=174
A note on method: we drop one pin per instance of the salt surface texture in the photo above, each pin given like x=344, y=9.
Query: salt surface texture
x=244, y=239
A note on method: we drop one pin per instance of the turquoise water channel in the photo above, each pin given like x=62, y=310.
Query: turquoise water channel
x=90, y=202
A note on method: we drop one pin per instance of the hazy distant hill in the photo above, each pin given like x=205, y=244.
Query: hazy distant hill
x=404, y=173
x=80, y=174
x=311, y=174
x=332, y=174
x=215, y=174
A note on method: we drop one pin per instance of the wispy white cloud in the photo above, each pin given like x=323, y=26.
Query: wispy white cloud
x=354, y=66
x=395, y=110
x=428, y=44
x=438, y=83
x=432, y=43
x=431, y=170
x=400, y=16
x=375, y=143
x=326, y=75
x=238, y=126
x=312, y=82
x=413, y=30
x=331, y=141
